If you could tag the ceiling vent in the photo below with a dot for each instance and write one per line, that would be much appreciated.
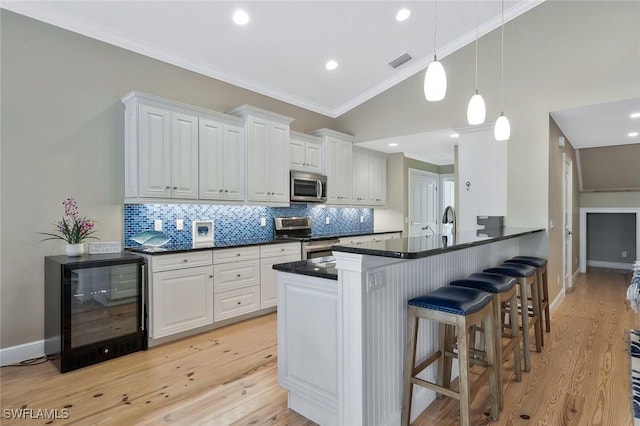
(400, 60)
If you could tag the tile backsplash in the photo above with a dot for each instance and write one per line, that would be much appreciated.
(238, 223)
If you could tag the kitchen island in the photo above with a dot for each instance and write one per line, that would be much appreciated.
(341, 341)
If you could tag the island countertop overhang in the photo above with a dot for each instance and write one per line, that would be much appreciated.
(423, 246)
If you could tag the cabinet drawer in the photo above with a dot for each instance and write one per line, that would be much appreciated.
(168, 262)
(235, 254)
(236, 302)
(276, 250)
(232, 275)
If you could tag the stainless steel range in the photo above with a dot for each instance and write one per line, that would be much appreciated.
(299, 229)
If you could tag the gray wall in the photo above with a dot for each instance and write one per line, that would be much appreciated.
(63, 135)
(608, 234)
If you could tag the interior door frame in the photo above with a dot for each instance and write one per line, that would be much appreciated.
(583, 228)
(567, 221)
(432, 175)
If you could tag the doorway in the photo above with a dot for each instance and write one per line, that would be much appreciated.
(567, 219)
(423, 203)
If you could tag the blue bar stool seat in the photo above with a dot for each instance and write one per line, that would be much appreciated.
(454, 308)
(540, 264)
(527, 284)
(503, 290)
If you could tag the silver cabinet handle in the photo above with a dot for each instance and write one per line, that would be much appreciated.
(143, 285)
(175, 187)
(185, 260)
(222, 190)
(167, 187)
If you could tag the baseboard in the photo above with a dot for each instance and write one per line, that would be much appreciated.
(611, 265)
(556, 302)
(14, 354)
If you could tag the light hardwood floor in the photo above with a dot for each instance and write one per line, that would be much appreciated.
(229, 376)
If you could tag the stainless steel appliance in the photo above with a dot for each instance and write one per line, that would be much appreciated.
(308, 187)
(299, 229)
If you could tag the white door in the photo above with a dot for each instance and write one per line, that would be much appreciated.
(297, 159)
(155, 152)
(344, 156)
(211, 169)
(447, 197)
(423, 203)
(313, 157)
(184, 156)
(567, 219)
(233, 163)
(258, 154)
(278, 166)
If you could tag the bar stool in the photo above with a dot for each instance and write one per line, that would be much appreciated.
(526, 276)
(451, 307)
(540, 264)
(503, 290)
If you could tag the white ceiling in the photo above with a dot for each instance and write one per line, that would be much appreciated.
(606, 124)
(434, 147)
(281, 52)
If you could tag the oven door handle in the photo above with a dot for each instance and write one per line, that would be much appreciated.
(318, 189)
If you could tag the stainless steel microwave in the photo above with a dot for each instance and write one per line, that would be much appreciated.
(308, 187)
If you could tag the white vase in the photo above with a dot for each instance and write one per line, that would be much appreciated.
(74, 249)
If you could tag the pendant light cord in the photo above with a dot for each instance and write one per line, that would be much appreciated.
(476, 47)
(435, 28)
(502, 61)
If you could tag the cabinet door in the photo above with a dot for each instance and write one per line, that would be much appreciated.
(184, 156)
(259, 154)
(278, 167)
(269, 279)
(377, 180)
(228, 276)
(233, 163)
(181, 300)
(297, 154)
(343, 170)
(212, 162)
(360, 180)
(313, 157)
(331, 170)
(155, 152)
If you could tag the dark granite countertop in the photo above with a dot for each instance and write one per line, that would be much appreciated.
(417, 247)
(320, 267)
(181, 248)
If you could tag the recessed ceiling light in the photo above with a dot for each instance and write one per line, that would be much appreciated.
(403, 14)
(455, 135)
(331, 65)
(393, 144)
(632, 134)
(240, 17)
(635, 115)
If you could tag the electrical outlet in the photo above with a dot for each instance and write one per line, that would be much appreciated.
(361, 219)
(375, 280)
(624, 253)
(263, 221)
(157, 225)
(327, 221)
(179, 224)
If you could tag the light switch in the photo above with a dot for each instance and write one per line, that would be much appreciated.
(263, 221)
(327, 220)
(179, 224)
(157, 225)
(361, 219)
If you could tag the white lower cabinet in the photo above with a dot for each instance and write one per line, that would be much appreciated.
(182, 300)
(232, 303)
(236, 280)
(269, 256)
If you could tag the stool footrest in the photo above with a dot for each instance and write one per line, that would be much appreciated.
(427, 362)
(436, 387)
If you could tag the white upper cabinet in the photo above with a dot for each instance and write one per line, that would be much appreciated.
(267, 136)
(172, 148)
(369, 178)
(305, 152)
(338, 149)
(222, 165)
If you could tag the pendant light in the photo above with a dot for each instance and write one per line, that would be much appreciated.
(476, 111)
(435, 79)
(502, 130)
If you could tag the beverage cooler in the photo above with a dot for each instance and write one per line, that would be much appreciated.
(94, 308)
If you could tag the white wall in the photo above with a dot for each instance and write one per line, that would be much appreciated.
(482, 161)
